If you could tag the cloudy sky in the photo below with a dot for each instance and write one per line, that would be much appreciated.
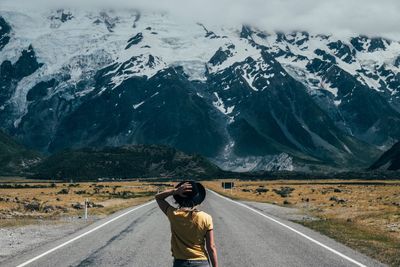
(371, 17)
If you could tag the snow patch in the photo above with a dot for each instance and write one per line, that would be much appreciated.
(219, 104)
(136, 106)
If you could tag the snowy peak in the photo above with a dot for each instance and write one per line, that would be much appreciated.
(134, 40)
(222, 55)
(59, 17)
(260, 98)
(342, 51)
(142, 65)
(363, 44)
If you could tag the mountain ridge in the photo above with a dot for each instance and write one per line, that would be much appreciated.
(390, 160)
(242, 96)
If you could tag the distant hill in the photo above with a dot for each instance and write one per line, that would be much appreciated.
(133, 161)
(15, 159)
(390, 160)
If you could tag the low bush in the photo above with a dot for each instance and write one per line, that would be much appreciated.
(284, 191)
(63, 191)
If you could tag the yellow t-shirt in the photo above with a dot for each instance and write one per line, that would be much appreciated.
(189, 230)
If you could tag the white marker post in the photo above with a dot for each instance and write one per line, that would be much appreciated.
(86, 208)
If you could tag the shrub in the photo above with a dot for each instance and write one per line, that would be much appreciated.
(78, 206)
(124, 194)
(338, 200)
(262, 190)
(63, 191)
(32, 206)
(48, 208)
(284, 191)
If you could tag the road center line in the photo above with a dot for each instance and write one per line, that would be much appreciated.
(292, 229)
(84, 234)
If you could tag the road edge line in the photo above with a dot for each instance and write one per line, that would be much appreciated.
(84, 234)
(292, 229)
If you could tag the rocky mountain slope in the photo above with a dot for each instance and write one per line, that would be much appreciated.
(247, 98)
(390, 160)
(14, 158)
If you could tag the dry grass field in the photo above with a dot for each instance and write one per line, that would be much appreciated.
(25, 202)
(364, 215)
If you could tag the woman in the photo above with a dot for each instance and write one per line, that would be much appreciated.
(191, 229)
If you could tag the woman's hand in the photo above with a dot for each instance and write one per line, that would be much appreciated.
(184, 188)
(181, 190)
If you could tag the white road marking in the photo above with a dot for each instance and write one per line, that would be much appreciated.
(84, 234)
(293, 230)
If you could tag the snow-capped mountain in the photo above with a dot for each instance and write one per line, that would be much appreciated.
(247, 98)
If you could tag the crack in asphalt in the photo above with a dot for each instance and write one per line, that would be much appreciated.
(90, 260)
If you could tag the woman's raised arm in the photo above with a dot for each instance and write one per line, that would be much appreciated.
(160, 197)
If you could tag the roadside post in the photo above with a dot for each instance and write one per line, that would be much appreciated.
(228, 185)
(86, 208)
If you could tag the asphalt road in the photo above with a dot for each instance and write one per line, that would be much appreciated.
(245, 236)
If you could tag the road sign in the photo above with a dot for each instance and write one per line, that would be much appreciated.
(227, 185)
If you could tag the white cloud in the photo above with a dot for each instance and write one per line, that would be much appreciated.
(369, 17)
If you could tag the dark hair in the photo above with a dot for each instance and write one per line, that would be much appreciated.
(186, 203)
(193, 198)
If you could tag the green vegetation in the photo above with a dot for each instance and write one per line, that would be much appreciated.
(135, 161)
(25, 186)
(141, 161)
(377, 245)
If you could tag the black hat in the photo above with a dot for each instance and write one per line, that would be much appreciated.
(193, 198)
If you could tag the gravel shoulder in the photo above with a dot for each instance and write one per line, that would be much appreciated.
(21, 239)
